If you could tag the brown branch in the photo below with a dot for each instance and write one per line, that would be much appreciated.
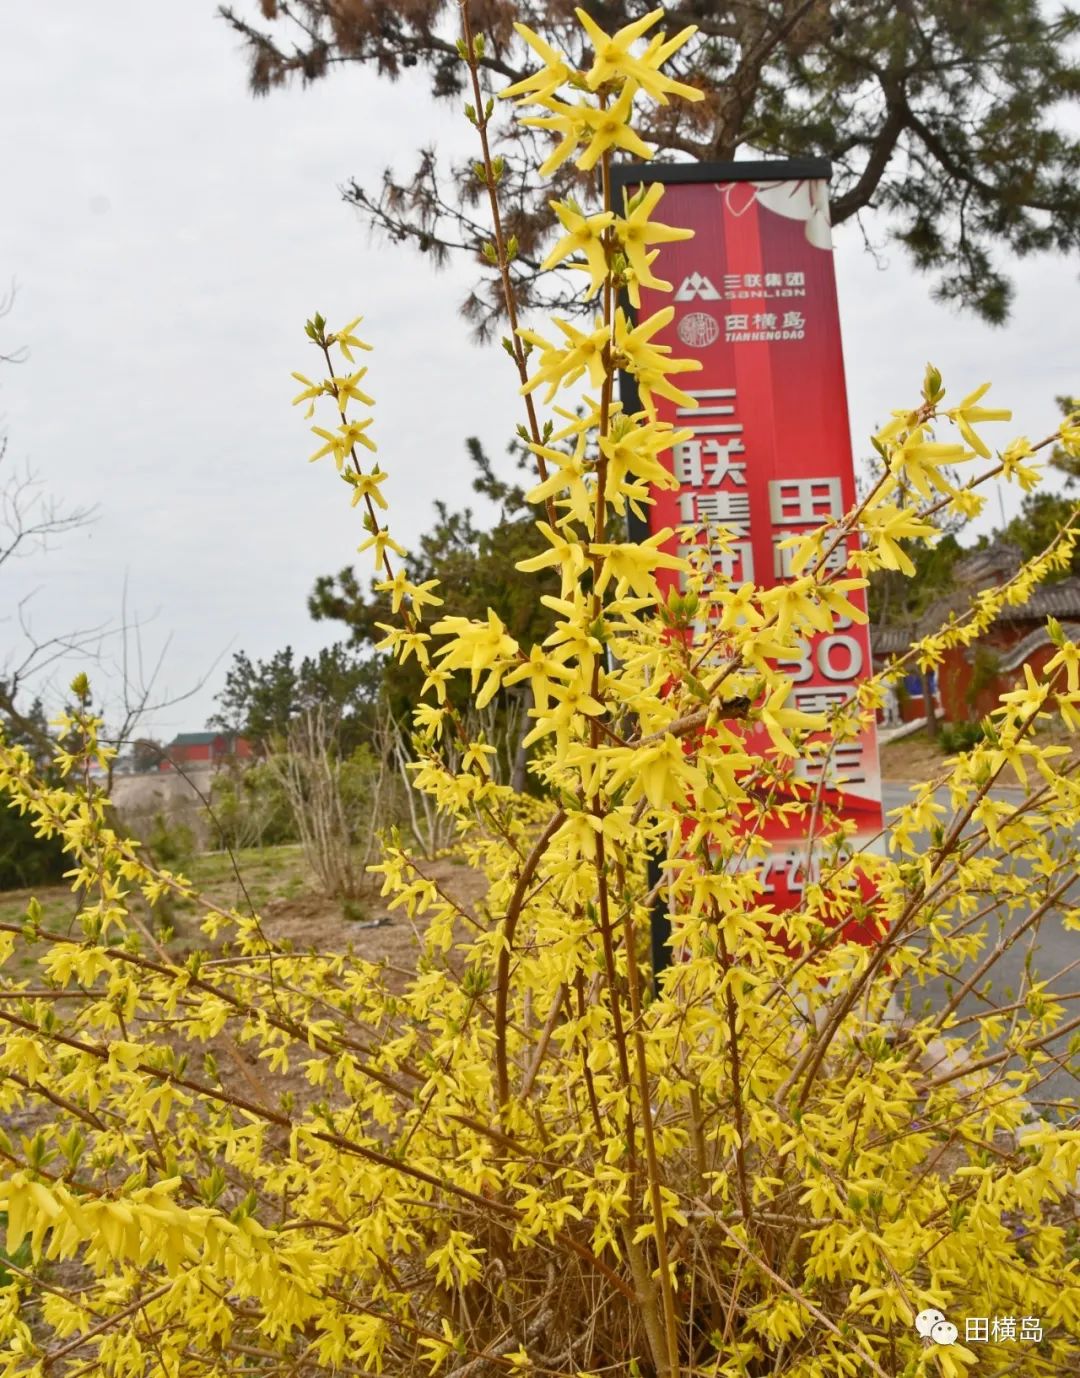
(509, 928)
(802, 1300)
(481, 121)
(106, 1323)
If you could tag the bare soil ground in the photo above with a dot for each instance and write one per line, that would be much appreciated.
(309, 920)
(911, 758)
(918, 757)
(276, 883)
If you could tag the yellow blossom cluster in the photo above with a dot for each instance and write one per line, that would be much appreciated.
(526, 1155)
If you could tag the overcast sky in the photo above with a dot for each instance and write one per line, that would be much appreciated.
(169, 234)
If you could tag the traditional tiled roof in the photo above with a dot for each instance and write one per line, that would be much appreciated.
(887, 641)
(1048, 600)
(983, 569)
(1019, 651)
(196, 738)
(989, 565)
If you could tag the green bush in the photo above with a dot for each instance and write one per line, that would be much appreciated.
(250, 808)
(960, 736)
(26, 859)
(986, 667)
(173, 844)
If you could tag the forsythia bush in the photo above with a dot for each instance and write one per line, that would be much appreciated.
(526, 1159)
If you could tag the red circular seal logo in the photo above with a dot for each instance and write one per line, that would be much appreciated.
(698, 330)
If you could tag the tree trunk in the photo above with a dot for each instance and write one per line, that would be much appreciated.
(929, 705)
(518, 775)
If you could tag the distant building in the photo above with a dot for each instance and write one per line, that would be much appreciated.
(973, 678)
(205, 748)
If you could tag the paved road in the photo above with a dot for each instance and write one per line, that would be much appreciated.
(1052, 948)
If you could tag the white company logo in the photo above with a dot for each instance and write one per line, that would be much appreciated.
(697, 285)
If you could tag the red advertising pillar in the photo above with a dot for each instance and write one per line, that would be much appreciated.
(755, 302)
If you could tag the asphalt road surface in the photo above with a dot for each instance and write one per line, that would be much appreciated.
(1053, 950)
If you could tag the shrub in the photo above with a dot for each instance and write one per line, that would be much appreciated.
(332, 800)
(960, 736)
(249, 808)
(985, 669)
(26, 858)
(172, 842)
(525, 1158)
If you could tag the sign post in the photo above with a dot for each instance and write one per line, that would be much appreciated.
(770, 456)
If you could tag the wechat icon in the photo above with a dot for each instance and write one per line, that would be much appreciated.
(932, 1325)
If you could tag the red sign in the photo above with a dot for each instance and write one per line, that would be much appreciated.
(770, 457)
